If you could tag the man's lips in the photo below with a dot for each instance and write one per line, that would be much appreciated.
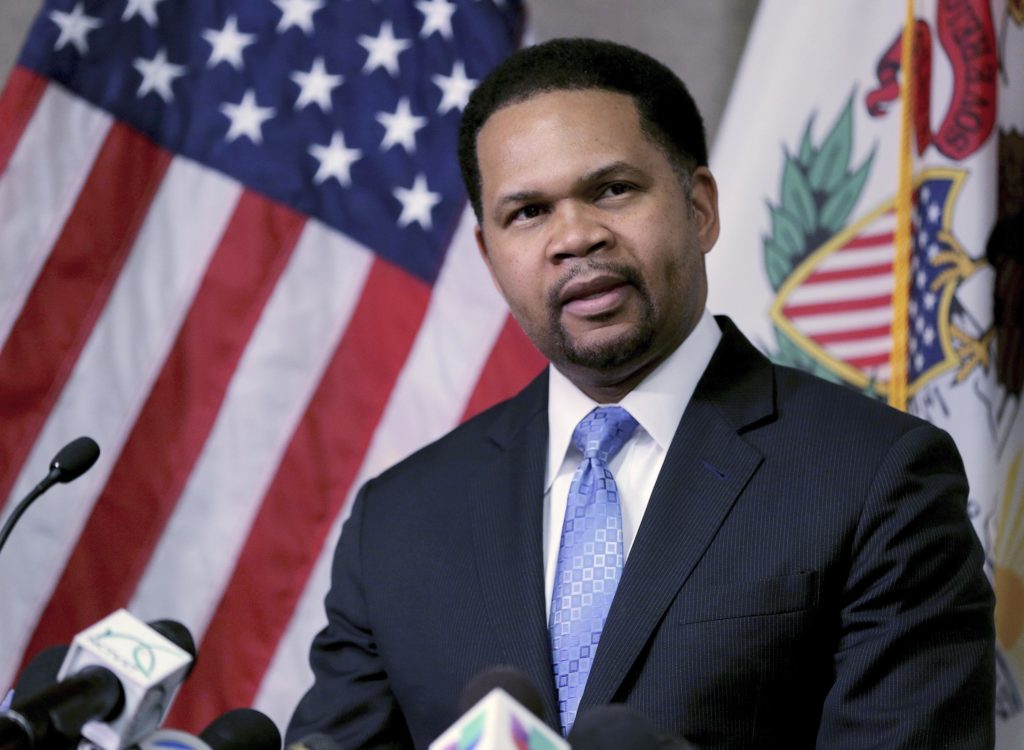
(593, 295)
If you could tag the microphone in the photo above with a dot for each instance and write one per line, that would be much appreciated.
(239, 729)
(618, 727)
(55, 717)
(612, 727)
(498, 721)
(151, 662)
(115, 686)
(41, 672)
(180, 636)
(672, 742)
(511, 680)
(170, 739)
(242, 729)
(314, 742)
(71, 461)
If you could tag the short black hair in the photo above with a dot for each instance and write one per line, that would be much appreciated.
(668, 114)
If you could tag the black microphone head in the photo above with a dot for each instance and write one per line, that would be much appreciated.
(242, 729)
(41, 671)
(672, 742)
(58, 712)
(612, 727)
(314, 742)
(75, 458)
(176, 633)
(509, 679)
(179, 635)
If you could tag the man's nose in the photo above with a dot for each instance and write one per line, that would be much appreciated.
(576, 231)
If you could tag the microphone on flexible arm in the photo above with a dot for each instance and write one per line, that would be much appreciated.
(71, 461)
(239, 729)
(113, 688)
(498, 721)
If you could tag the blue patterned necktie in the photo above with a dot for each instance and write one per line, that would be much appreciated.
(590, 557)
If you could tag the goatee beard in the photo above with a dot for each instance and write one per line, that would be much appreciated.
(610, 354)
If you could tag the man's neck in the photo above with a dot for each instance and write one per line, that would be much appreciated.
(610, 386)
(607, 387)
(615, 390)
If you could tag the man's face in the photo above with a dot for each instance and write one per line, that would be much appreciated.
(589, 234)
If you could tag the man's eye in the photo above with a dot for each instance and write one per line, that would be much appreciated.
(617, 188)
(531, 211)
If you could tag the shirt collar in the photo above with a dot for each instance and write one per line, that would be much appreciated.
(657, 403)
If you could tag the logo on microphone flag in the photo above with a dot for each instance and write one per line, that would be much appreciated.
(235, 249)
(140, 650)
(529, 738)
(150, 668)
(867, 265)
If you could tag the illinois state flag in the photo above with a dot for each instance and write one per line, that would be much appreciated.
(235, 250)
(862, 170)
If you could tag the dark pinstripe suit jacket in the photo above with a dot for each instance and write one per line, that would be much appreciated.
(805, 575)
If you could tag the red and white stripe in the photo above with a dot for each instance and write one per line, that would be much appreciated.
(845, 304)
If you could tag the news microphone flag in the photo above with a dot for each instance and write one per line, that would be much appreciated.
(150, 667)
(235, 250)
(499, 722)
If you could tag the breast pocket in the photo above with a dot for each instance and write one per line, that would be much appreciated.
(766, 596)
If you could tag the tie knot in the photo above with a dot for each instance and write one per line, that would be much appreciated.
(603, 432)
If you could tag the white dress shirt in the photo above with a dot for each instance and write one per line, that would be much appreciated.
(657, 404)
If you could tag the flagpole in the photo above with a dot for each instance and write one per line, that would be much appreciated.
(902, 247)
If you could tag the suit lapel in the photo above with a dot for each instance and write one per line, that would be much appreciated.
(706, 468)
(507, 527)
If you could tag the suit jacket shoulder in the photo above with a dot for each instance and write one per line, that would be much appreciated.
(492, 430)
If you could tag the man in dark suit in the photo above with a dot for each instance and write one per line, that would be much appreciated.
(780, 562)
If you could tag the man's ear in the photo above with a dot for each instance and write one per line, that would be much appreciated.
(481, 245)
(704, 198)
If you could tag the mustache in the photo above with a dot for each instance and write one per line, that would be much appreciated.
(588, 267)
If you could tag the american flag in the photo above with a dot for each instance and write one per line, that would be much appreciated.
(840, 299)
(235, 250)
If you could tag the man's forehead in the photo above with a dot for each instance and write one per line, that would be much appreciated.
(560, 97)
(581, 120)
(570, 133)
